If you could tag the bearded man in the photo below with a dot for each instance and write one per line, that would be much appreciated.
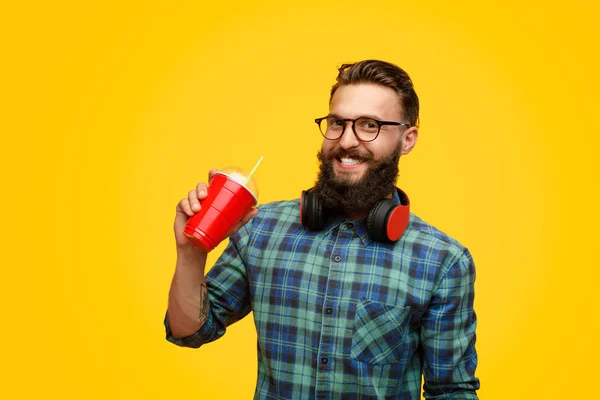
(353, 296)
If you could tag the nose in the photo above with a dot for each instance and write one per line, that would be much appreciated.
(349, 139)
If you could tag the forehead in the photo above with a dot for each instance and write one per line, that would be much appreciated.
(351, 101)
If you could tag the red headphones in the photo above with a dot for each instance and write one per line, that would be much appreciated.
(386, 221)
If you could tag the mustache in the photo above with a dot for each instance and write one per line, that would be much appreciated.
(339, 153)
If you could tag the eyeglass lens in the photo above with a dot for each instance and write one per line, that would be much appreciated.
(366, 128)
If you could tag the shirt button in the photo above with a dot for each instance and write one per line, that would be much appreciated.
(324, 359)
(337, 258)
(328, 310)
(350, 225)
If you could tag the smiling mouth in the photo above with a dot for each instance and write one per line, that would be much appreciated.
(348, 161)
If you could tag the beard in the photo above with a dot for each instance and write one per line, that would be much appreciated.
(343, 193)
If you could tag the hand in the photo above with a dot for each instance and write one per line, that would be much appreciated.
(189, 206)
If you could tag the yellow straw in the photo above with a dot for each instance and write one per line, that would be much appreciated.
(253, 169)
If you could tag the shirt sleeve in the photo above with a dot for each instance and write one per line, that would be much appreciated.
(448, 334)
(228, 294)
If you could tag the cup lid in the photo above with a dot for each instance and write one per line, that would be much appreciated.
(240, 176)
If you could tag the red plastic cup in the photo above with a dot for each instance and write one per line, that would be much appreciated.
(226, 203)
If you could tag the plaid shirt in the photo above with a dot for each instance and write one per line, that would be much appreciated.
(339, 315)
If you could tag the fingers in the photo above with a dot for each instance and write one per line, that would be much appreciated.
(243, 221)
(191, 205)
(248, 216)
(193, 200)
(184, 207)
(201, 191)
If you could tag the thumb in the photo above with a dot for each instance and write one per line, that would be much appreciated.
(211, 173)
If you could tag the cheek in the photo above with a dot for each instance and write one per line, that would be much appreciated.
(374, 150)
(327, 146)
(383, 149)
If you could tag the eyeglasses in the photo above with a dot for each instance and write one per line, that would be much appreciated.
(365, 129)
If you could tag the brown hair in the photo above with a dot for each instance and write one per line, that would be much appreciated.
(384, 74)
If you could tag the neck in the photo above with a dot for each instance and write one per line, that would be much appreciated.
(355, 215)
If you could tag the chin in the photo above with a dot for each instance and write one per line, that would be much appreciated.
(347, 179)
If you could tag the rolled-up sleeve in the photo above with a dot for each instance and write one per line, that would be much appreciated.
(448, 334)
(228, 294)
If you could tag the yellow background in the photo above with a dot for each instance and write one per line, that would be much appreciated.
(112, 111)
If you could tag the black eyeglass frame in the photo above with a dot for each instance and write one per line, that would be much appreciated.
(345, 120)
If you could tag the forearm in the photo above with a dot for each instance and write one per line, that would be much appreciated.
(448, 335)
(188, 299)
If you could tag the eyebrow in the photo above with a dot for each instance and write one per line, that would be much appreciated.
(360, 116)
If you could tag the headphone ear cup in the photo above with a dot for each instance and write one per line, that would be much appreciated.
(398, 218)
(312, 214)
(303, 207)
(377, 220)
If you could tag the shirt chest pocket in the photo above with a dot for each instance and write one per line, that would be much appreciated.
(380, 333)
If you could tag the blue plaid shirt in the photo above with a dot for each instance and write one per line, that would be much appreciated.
(339, 315)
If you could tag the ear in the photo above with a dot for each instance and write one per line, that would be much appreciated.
(409, 139)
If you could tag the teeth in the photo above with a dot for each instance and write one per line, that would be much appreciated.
(349, 161)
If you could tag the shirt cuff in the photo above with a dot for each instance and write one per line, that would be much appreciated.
(195, 340)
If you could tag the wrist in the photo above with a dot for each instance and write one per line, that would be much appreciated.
(189, 253)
